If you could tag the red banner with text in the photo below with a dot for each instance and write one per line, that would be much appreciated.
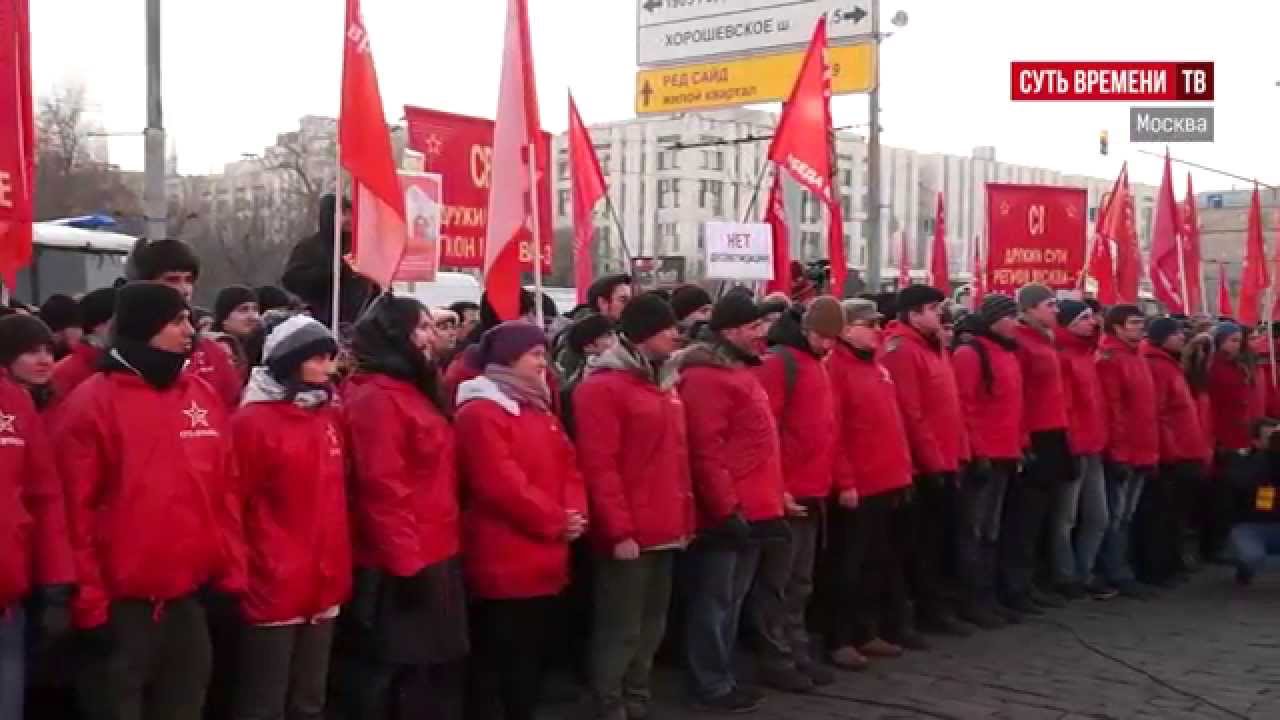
(460, 149)
(1037, 234)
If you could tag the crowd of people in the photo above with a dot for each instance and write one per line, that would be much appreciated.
(237, 514)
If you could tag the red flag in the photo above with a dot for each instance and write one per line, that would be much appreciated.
(1118, 227)
(1167, 280)
(1100, 265)
(1224, 294)
(17, 141)
(588, 189)
(775, 214)
(515, 148)
(1253, 274)
(802, 145)
(1191, 250)
(939, 272)
(904, 261)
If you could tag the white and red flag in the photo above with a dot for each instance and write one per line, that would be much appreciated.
(17, 141)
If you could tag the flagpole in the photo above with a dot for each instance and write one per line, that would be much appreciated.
(1182, 273)
(617, 222)
(537, 239)
(755, 193)
(335, 301)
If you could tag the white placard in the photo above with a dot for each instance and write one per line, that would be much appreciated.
(739, 251)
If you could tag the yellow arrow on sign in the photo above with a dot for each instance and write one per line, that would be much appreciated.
(761, 79)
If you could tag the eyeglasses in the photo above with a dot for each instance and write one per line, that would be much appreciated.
(446, 325)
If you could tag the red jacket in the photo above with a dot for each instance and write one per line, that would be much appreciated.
(1235, 400)
(404, 481)
(1181, 437)
(928, 398)
(992, 417)
(151, 484)
(521, 477)
(805, 419)
(33, 520)
(1133, 436)
(292, 480)
(1044, 402)
(734, 449)
(635, 458)
(212, 362)
(1204, 411)
(74, 369)
(873, 456)
(1086, 407)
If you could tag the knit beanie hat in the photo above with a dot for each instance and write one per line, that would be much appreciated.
(1032, 294)
(293, 342)
(995, 308)
(586, 331)
(144, 308)
(97, 307)
(156, 258)
(229, 298)
(825, 317)
(20, 334)
(504, 344)
(1069, 310)
(913, 297)
(60, 312)
(734, 310)
(1222, 331)
(688, 299)
(1161, 329)
(645, 316)
(271, 297)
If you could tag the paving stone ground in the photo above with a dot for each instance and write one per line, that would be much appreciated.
(1208, 650)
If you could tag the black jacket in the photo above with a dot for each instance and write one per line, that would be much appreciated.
(309, 273)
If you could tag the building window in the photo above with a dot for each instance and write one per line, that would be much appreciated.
(669, 233)
(702, 236)
(605, 155)
(846, 206)
(711, 196)
(668, 158)
(668, 193)
(810, 211)
(811, 245)
(562, 166)
(712, 160)
(562, 202)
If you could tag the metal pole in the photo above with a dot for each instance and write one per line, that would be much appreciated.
(1182, 274)
(154, 204)
(755, 192)
(622, 238)
(335, 303)
(537, 239)
(873, 162)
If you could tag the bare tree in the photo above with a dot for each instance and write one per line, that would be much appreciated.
(69, 180)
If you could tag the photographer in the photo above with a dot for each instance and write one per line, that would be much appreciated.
(1256, 533)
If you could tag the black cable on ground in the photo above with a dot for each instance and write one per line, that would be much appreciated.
(1125, 663)
(886, 705)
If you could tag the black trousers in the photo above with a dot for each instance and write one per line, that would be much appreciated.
(1026, 512)
(1216, 503)
(1160, 522)
(509, 645)
(927, 520)
(866, 593)
(283, 672)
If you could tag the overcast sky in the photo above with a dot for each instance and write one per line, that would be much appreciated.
(236, 72)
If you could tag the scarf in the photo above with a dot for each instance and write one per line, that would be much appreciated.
(519, 388)
(159, 368)
(263, 387)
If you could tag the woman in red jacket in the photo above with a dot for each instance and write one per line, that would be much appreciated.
(408, 615)
(289, 444)
(1237, 404)
(525, 504)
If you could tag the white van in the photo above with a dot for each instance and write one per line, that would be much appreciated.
(448, 288)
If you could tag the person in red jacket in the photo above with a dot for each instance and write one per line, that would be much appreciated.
(151, 482)
(525, 504)
(408, 616)
(1079, 515)
(288, 438)
(1160, 526)
(96, 309)
(918, 362)
(795, 378)
(1133, 442)
(737, 484)
(1236, 405)
(989, 379)
(172, 263)
(635, 461)
(866, 597)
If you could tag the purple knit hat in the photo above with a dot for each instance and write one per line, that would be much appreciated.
(504, 344)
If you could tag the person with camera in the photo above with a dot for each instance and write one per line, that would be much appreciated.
(1256, 533)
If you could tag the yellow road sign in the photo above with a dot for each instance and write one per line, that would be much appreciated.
(761, 79)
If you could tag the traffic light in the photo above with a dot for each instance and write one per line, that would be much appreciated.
(1102, 142)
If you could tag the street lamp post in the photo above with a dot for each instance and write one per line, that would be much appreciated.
(873, 235)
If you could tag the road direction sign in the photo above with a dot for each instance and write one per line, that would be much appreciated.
(670, 32)
(759, 79)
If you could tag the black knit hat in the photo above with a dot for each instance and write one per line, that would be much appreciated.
(20, 334)
(60, 312)
(271, 297)
(587, 330)
(97, 307)
(1162, 329)
(293, 342)
(995, 308)
(914, 297)
(734, 310)
(645, 316)
(156, 258)
(1069, 310)
(688, 299)
(144, 308)
(229, 298)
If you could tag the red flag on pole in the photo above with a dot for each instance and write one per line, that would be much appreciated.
(802, 145)
(939, 272)
(1253, 274)
(1100, 265)
(979, 275)
(588, 189)
(1224, 294)
(1118, 227)
(516, 160)
(1191, 251)
(17, 141)
(904, 261)
(775, 214)
(1168, 281)
(380, 232)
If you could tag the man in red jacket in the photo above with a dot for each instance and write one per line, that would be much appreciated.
(1133, 443)
(96, 309)
(990, 383)
(738, 489)
(172, 263)
(795, 378)
(635, 461)
(918, 361)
